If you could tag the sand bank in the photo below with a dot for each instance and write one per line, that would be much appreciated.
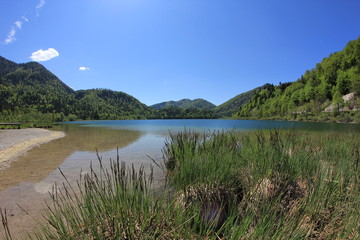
(16, 142)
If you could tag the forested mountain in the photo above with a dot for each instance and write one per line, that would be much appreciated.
(185, 113)
(329, 91)
(29, 92)
(230, 107)
(185, 104)
(108, 104)
(308, 97)
(30, 89)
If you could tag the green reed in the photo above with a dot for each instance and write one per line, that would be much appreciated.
(275, 184)
(114, 202)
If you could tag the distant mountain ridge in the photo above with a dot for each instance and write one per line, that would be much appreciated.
(185, 103)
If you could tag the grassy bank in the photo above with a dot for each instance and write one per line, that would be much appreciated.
(220, 185)
(29, 119)
(338, 117)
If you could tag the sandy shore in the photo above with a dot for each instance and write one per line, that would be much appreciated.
(16, 142)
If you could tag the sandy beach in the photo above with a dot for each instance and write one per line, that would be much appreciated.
(16, 142)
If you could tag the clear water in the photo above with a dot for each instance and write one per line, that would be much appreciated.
(134, 139)
(153, 126)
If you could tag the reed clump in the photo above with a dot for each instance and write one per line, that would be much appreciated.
(114, 202)
(273, 184)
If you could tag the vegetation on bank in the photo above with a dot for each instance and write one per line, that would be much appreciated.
(313, 93)
(221, 185)
(336, 117)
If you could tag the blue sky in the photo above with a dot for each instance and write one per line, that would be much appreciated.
(160, 50)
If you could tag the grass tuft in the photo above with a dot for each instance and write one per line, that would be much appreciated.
(270, 184)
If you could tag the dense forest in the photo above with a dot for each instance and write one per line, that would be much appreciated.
(107, 104)
(29, 92)
(185, 113)
(327, 92)
(185, 103)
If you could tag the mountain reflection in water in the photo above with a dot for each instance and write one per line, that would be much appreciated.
(39, 162)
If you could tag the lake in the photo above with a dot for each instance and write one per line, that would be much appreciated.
(30, 178)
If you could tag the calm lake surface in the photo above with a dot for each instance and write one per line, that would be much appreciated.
(30, 178)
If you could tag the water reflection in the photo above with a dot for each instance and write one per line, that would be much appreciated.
(134, 154)
(38, 163)
(83, 138)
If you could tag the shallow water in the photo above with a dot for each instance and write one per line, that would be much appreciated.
(30, 178)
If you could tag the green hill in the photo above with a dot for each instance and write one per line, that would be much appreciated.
(230, 107)
(185, 104)
(31, 87)
(108, 104)
(322, 93)
(30, 92)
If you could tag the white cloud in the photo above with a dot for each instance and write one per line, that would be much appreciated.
(84, 68)
(39, 6)
(44, 55)
(11, 36)
(18, 24)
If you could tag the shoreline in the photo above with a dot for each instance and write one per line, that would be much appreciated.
(16, 142)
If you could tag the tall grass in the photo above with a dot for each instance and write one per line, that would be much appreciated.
(271, 184)
(111, 203)
(221, 185)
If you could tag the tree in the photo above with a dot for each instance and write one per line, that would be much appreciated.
(337, 99)
(343, 83)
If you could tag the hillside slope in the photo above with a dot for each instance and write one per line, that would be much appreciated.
(309, 96)
(30, 86)
(233, 105)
